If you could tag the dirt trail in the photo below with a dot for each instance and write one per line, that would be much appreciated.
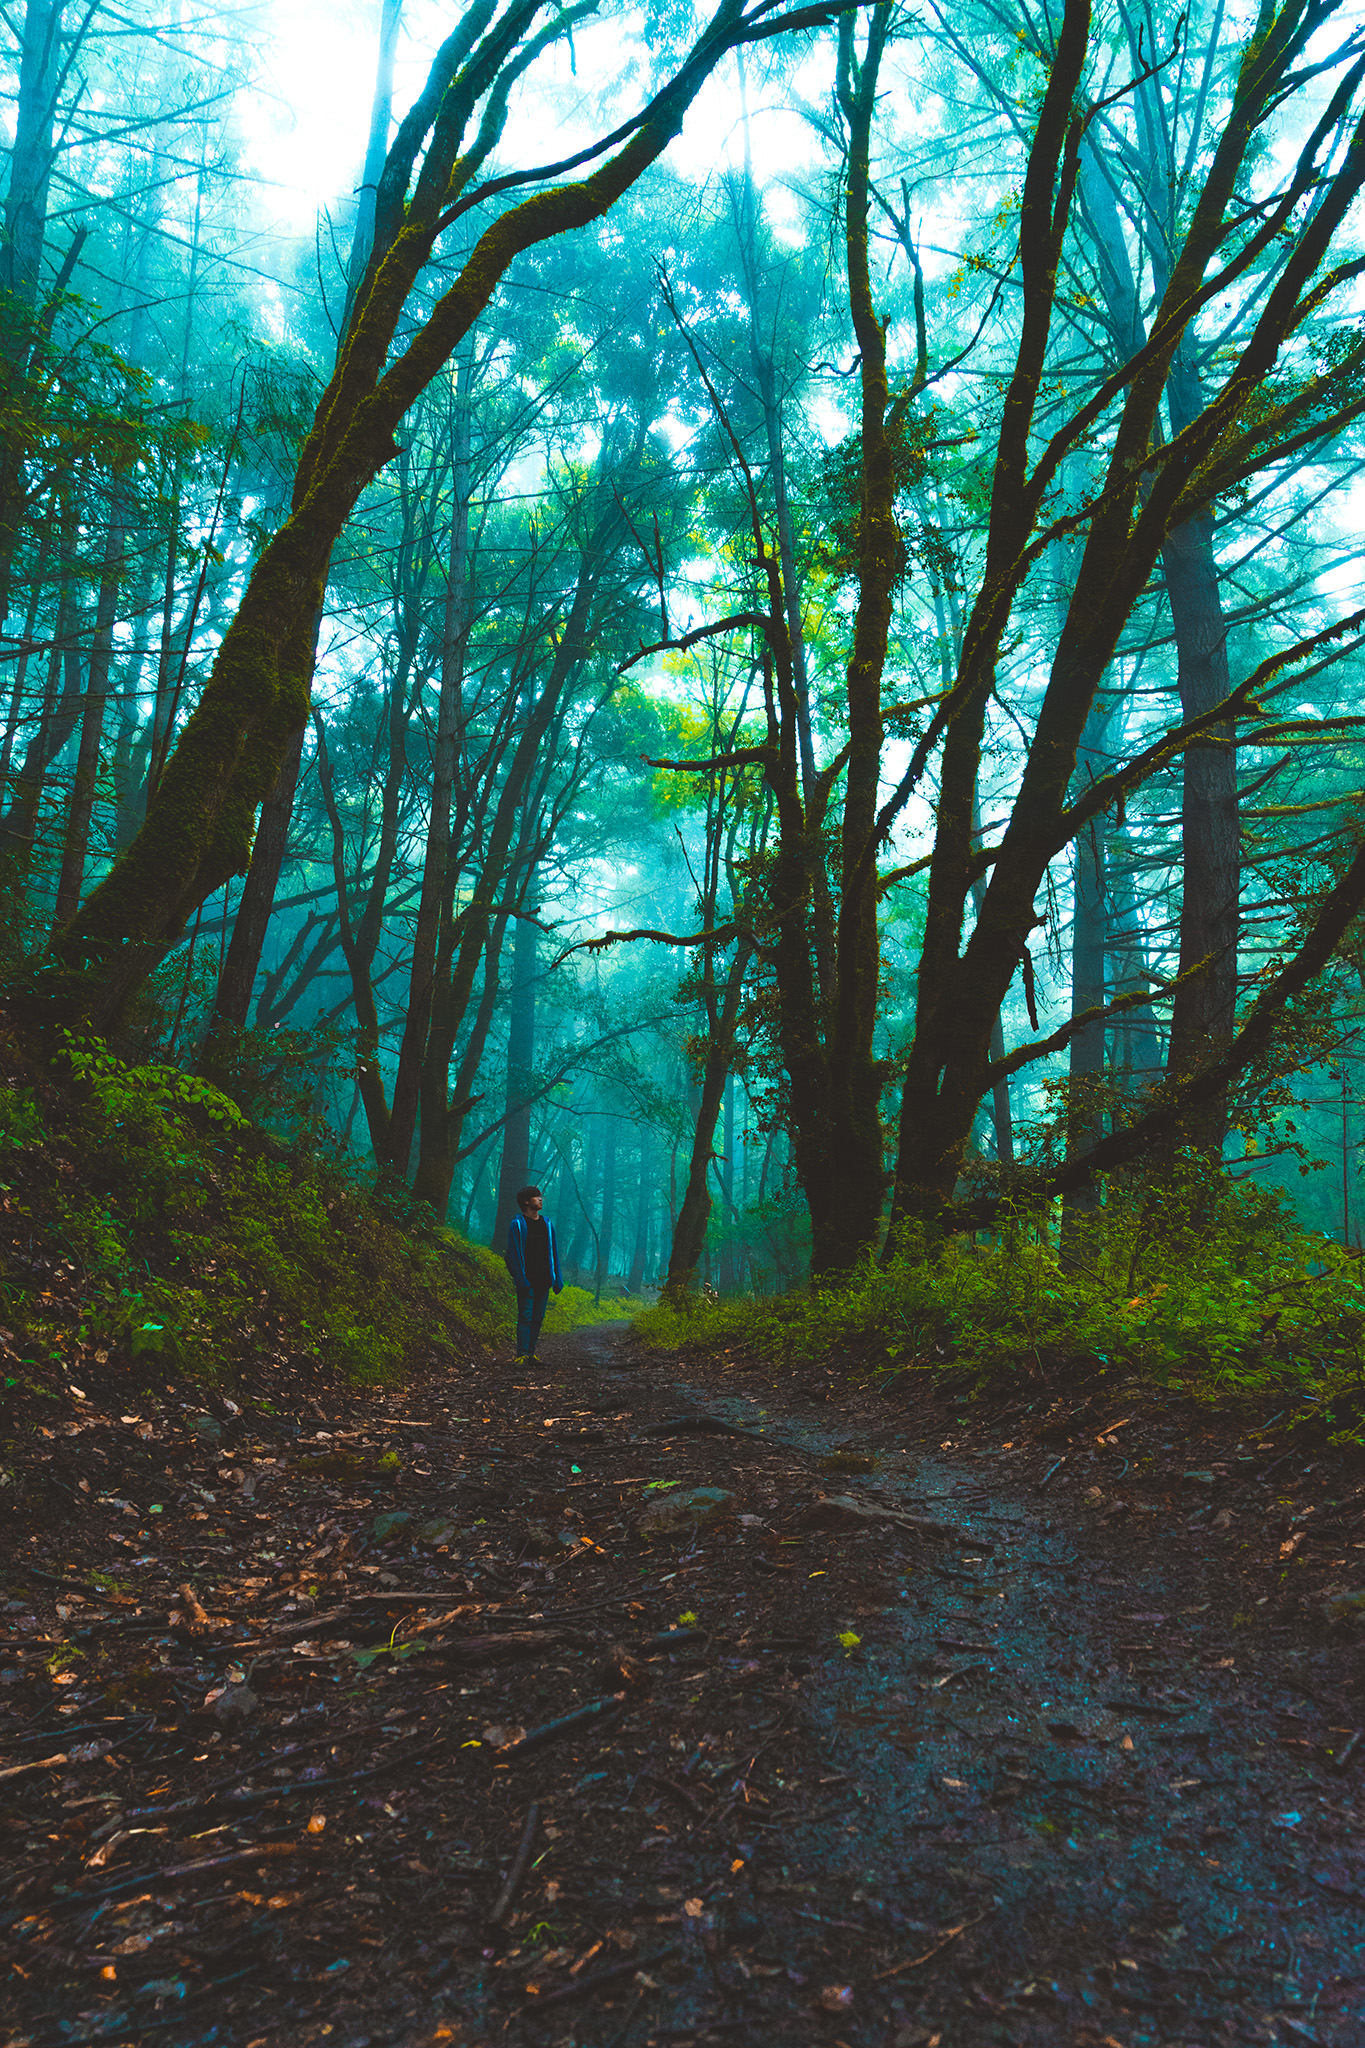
(938, 1758)
(1076, 1746)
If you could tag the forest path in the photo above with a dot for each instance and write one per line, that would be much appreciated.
(1086, 1772)
(890, 1739)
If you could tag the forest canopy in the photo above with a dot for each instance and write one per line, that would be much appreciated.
(758, 621)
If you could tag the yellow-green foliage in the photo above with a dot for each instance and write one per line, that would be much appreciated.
(1214, 1290)
(172, 1231)
(575, 1308)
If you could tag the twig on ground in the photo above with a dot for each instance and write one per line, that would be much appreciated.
(520, 1864)
(167, 1874)
(586, 1986)
(666, 1784)
(950, 1934)
(567, 1724)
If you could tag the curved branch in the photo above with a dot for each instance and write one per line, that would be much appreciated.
(718, 935)
(754, 620)
(743, 757)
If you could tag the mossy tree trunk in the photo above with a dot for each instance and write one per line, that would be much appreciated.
(199, 824)
(854, 1171)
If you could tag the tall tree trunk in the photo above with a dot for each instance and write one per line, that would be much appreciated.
(26, 652)
(60, 708)
(92, 721)
(689, 1232)
(640, 1253)
(360, 940)
(1136, 1031)
(854, 1169)
(765, 376)
(376, 150)
(232, 1001)
(585, 1237)
(464, 936)
(444, 1111)
(1204, 1007)
(444, 753)
(521, 1051)
(607, 1228)
(566, 1203)
(1089, 934)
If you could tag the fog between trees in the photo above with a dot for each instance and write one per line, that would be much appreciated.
(781, 686)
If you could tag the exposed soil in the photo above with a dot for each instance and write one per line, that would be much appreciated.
(1033, 1727)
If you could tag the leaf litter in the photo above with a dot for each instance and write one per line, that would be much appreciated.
(339, 1744)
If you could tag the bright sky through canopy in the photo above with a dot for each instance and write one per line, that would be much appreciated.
(309, 122)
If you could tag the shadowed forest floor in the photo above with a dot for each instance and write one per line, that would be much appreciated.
(1035, 1727)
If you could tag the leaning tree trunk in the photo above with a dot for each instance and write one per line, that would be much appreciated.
(232, 1002)
(199, 825)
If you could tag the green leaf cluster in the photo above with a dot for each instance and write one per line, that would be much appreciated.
(163, 1229)
(1217, 1293)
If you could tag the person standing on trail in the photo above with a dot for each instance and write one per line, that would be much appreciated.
(532, 1259)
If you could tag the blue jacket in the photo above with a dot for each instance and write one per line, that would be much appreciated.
(514, 1258)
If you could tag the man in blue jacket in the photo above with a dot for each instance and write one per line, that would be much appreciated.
(532, 1259)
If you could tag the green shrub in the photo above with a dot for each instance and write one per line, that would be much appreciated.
(1211, 1287)
(576, 1307)
(175, 1234)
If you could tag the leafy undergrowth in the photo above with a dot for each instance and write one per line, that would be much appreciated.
(1212, 1291)
(578, 1309)
(153, 1235)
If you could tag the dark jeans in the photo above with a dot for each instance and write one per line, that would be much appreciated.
(531, 1303)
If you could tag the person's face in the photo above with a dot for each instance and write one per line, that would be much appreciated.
(532, 1207)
